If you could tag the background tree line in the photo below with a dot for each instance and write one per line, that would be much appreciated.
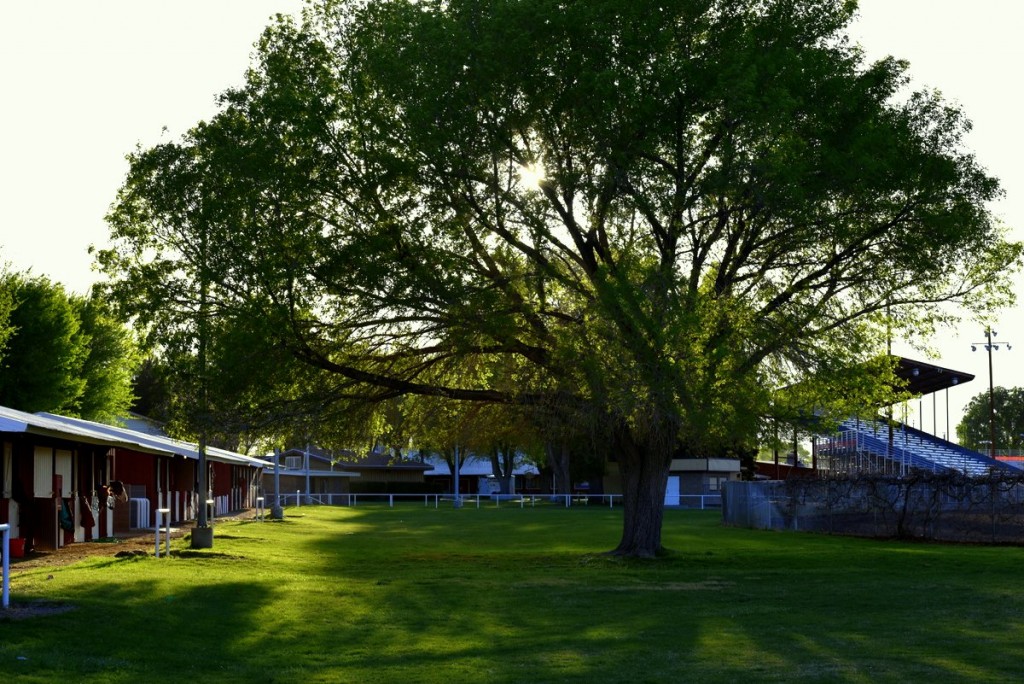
(61, 352)
(974, 431)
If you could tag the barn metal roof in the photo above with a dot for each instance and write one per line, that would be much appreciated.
(90, 432)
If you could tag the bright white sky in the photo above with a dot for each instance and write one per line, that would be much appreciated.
(84, 81)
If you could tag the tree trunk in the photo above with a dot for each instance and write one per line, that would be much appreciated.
(508, 459)
(558, 459)
(501, 468)
(644, 473)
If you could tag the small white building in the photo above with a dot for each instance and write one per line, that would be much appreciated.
(477, 476)
(696, 482)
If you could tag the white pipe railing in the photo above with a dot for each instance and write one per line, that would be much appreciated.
(5, 579)
(163, 523)
(700, 501)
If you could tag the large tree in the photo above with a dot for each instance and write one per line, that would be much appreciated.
(665, 210)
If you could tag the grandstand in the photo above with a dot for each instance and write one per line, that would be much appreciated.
(881, 445)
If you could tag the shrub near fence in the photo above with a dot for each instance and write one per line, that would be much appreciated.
(937, 506)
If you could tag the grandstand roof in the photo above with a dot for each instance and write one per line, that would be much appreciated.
(926, 378)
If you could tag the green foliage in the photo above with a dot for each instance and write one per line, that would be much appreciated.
(733, 201)
(6, 307)
(152, 389)
(44, 357)
(65, 354)
(974, 430)
(111, 361)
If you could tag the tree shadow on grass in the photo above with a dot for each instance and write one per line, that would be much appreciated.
(153, 633)
(472, 600)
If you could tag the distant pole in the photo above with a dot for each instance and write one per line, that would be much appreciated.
(775, 450)
(888, 354)
(308, 500)
(202, 535)
(276, 512)
(991, 398)
(991, 346)
(458, 494)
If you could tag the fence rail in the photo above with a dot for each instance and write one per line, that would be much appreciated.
(299, 498)
(701, 501)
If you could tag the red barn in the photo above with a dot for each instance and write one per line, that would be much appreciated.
(65, 480)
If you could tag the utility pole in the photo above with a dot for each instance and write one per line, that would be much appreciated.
(202, 535)
(276, 511)
(990, 347)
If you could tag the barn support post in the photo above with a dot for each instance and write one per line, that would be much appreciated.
(5, 549)
(202, 534)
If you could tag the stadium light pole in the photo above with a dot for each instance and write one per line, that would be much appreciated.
(990, 347)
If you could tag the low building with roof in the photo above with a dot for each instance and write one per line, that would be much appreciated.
(476, 476)
(66, 480)
(311, 473)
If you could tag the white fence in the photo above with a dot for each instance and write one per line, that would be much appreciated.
(701, 501)
(298, 499)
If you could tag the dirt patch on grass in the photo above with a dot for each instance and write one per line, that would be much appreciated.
(121, 546)
(32, 609)
(188, 553)
(134, 543)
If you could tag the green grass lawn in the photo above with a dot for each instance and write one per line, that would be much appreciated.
(414, 594)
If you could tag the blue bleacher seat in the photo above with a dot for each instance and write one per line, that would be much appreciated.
(912, 448)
